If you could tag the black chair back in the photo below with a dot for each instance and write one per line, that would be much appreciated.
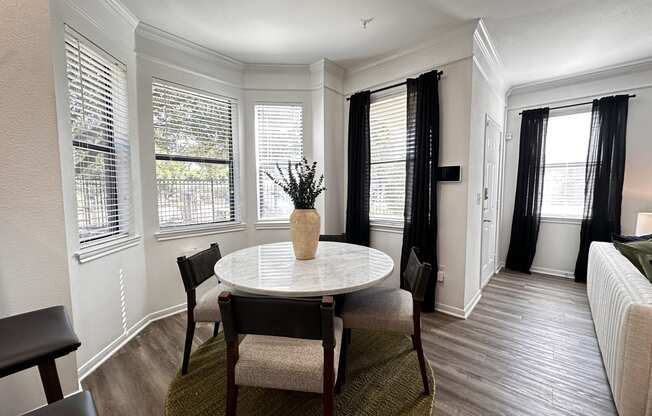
(338, 238)
(197, 268)
(416, 275)
(282, 317)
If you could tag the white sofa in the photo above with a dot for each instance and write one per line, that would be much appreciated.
(621, 304)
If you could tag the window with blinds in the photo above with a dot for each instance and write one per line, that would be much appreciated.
(97, 91)
(193, 139)
(388, 119)
(564, 181)
(279, 139)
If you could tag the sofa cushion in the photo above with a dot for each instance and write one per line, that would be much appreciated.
(637, 252)
(285, 363)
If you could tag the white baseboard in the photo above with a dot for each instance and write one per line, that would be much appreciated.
(553, 272)
(459, 312)
(450, 310)
(468, 308)
(89, 366)
(545, 270)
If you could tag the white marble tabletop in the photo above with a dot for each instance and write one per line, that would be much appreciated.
(271, 269)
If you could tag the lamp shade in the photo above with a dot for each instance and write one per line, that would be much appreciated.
(644, 223)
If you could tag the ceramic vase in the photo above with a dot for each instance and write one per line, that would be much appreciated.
(304, 229)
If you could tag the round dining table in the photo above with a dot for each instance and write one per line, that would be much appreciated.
(272, 270)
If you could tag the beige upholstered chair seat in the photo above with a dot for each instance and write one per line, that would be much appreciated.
(285, 363)
(384, 309)
(207, 309)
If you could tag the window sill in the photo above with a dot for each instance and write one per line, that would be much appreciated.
(394, 227)
(174, 233)
(86, 254)
(561, 220)
(272, 225)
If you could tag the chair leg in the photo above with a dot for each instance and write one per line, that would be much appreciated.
(328, 402)
(50, 380)
(422, 362)
(341, 373)
(216, 328)
(416, 343)
(231, 399)
(190, 334)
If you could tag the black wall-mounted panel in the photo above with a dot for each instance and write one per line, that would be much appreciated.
(449, 173)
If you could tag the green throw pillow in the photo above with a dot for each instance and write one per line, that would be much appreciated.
(639, 253)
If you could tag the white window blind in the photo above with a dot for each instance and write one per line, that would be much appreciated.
(193, 138)
(388, 119)
(567, 141)
(279, 139)
(97, 91)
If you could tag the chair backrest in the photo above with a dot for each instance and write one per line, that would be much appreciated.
(338, 238)
(197, 268)
(294, 318)
(416, 275)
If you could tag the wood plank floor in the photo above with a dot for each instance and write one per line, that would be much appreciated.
(528, 348)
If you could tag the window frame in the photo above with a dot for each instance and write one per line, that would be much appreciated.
(274, 223)
(393, 225)
(557, 219)
(169, 232)
(117, 237)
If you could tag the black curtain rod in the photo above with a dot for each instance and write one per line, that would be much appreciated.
(439, 74)
(575, 105)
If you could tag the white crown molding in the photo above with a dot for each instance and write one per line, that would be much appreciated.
(333, 68)
(274, 68)
(84, 14)
(467, 28)
(486, 44)
(123, 11)
(581, 77)
(165, 62)
(489, 63)
(158, 35)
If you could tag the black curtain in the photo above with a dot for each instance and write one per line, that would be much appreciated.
(605, 170)
(420, 227)
(529, 190)
(357, 205)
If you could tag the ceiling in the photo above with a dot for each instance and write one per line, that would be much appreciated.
(535, 39)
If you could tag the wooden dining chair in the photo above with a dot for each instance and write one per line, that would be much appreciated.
(393, 309)
(290, 344)
(195, 270)
(338, 238)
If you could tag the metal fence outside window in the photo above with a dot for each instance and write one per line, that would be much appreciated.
(193, 201)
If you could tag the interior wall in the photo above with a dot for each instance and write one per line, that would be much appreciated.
(487, 100)
(453, 55)
(559, 240)
(34, 272)
(155, 61)
(109, 294)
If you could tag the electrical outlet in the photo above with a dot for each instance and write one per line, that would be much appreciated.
(440, 276)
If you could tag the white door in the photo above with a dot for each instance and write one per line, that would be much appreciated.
(492, 136)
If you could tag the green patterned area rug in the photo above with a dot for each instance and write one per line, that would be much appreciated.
(382, 378)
